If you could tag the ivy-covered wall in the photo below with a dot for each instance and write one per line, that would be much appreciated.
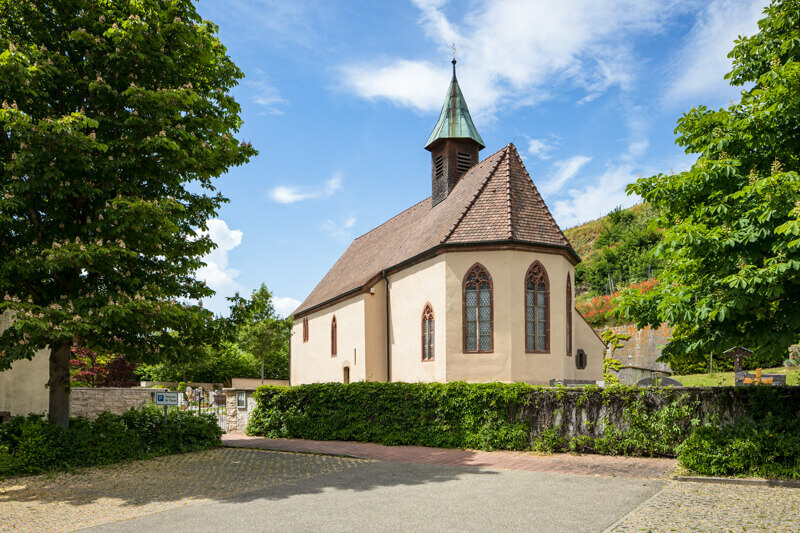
(513, 416)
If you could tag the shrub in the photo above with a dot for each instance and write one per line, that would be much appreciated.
(767, 448)
(617, 420)
(30, 445)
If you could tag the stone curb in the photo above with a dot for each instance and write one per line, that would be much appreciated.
(739, 481)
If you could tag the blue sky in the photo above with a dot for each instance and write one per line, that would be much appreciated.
(340, 97)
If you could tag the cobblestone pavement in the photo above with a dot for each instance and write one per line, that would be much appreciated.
(558, 463)
(92, 496)
(683, 506)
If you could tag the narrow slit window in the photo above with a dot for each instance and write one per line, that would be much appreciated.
(305, 329)
(427, 333)
(333, 337)
(569, 317)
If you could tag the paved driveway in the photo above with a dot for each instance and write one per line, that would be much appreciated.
(257, 490)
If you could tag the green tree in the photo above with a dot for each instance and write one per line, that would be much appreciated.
(262, 333)
(731, 243)
(217, 364)
(116, 117)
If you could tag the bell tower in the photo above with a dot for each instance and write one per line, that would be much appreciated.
(454, 143)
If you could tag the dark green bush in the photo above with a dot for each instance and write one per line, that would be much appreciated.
(618, 420)
(445, 415)
(768, 448)
(30, 445)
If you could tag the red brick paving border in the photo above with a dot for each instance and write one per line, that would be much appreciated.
(602, 465)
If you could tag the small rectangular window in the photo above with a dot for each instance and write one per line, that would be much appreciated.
(438, 167)
(241, 399)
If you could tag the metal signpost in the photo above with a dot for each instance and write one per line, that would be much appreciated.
(165, 399)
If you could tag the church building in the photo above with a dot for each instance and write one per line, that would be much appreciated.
(474, 283)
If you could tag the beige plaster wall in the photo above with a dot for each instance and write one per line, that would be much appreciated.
(252, 383)
(409, 291)
(587, 340)
(312, 361)
(373, 358)
(22, 387)
(509, 361)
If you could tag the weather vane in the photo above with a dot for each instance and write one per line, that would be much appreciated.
(454, 50)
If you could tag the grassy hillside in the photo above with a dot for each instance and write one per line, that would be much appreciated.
(617, 251)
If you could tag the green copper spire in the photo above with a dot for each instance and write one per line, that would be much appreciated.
(454, 121)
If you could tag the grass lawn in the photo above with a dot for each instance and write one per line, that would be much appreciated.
(725, 379)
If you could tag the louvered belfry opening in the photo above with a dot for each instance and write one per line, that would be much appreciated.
(450, 159)
(454, 143)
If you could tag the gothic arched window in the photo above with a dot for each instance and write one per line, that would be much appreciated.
(427, 333)
(537, 300)
(569, 317)
(477, 310)
(333, 336)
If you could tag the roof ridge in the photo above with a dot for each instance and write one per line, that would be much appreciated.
(508, 195)
(541, 199)
(477, 193)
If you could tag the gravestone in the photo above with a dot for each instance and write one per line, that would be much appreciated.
(658, 382)
(746, 379)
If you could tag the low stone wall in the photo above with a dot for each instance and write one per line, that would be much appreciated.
(238, 417)
(90, 402)
(644, 346)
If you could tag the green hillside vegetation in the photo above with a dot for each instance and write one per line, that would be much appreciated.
(617, 250)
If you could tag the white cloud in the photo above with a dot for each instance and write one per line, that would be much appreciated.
(267, 96)
(596, 199)
(217, 273)
(284, 194)
(540, 148)
(285, 305)
(339, 230)
(512, 50)
(700, 67)
(565, 170)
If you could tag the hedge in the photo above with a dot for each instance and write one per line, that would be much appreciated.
(31, 445)
(618, 420)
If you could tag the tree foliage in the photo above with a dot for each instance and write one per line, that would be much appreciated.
(261, 332)
(116, 117)
(731, 242)
(623, 251)
(216, 364)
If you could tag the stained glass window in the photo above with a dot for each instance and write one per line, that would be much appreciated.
(477, 310)
(536, 309)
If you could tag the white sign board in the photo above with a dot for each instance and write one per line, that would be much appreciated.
(167, 398)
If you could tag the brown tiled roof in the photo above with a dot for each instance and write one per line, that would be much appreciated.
(494, 201)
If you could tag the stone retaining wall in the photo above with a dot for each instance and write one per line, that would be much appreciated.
(90, 402)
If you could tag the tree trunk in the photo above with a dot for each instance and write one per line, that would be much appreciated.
(59, 383)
